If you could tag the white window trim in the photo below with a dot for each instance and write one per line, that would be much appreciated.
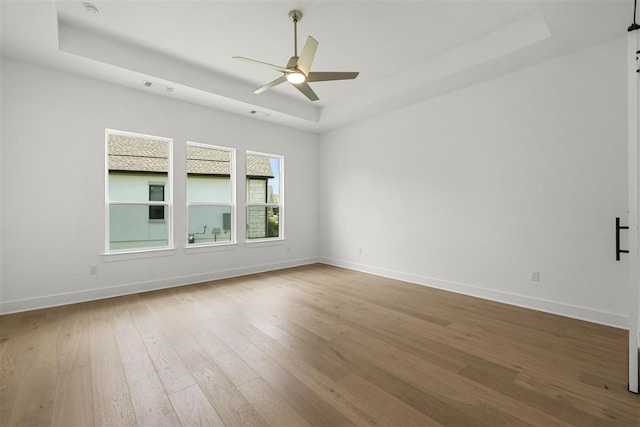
(194, 247)
(138, 252)
(280, 206)
(206, 248)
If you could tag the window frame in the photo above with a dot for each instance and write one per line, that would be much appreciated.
(279, 205)
(231, 204)
(167, 203)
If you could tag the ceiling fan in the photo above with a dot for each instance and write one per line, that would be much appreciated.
(298, 69)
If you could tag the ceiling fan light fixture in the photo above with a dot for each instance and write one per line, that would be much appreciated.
(296, 77)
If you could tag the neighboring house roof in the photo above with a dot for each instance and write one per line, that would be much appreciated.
(208, 161)
(133, 154)
(259, 166)
(137, 154)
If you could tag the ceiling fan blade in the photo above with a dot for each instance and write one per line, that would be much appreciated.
(271, 84)
(326, 76)
(253, 61)
(307, 91)
(306, 56)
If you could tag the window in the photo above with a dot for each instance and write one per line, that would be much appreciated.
(156, 194)
(210, 195)
(264, 196)
(138, 193)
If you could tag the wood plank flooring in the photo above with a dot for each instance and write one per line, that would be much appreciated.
(309, 346)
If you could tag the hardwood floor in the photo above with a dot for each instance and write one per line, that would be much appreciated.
(314, 345)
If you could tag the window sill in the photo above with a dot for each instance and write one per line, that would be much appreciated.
(218, 247)
(139, 254)
(260, 243)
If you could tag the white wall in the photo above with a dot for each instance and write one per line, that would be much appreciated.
(52, 190)
(475, 189)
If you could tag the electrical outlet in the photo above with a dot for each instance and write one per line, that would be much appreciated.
(534, 276)
(359, 251)
(93, 270)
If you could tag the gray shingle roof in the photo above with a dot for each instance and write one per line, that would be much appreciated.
(208, 161)
(137, 154)
(133, 154)
(259, 166)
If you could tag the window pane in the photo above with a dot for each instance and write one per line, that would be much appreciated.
(210, 195)
(209, 172)
(263, 187)
(263, 179)
(262, 222)
(156, 193)
(209, 224)
(156, 212)
(273, 185)
(138, 171)
(130, 228)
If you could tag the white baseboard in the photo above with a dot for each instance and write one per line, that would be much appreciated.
(26, 304)
(567, 310)
(553, 307)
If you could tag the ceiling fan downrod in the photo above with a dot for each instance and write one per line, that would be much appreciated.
(295, 16)
(634, 26)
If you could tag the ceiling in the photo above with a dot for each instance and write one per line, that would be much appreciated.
(405, 51)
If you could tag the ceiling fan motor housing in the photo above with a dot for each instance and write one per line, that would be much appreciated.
(295, 15)
(293, 64)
